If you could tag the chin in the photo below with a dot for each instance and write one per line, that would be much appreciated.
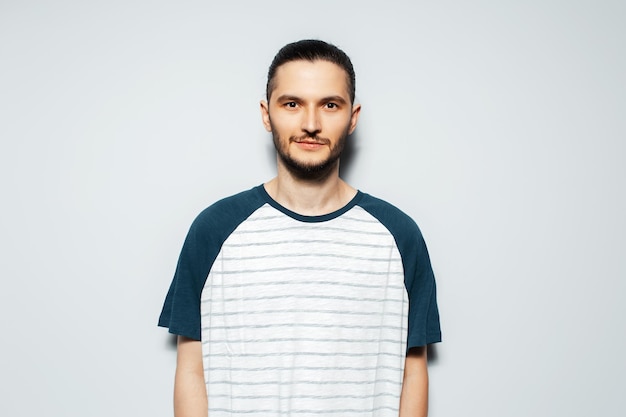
(310, 170)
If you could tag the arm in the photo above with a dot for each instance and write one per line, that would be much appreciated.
(414, 396)
(190, 399)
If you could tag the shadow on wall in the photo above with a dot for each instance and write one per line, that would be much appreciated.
(349, 153)
(171, 342)
(432, 356)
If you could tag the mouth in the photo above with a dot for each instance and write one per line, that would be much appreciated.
(309, 145)
(308, 141)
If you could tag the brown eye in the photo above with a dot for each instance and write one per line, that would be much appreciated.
(291, 104)
(331, 105)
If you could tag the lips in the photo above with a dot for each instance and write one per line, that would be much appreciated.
(310, 141)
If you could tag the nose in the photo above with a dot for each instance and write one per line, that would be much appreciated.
(311, 122)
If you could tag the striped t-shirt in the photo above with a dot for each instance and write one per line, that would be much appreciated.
(303, 315)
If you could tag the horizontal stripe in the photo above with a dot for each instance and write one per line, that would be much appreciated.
(303, 339)
(304, 368)
(305, 397)
(316, 228)
(310, 255)
(309, 382)
(296, 411)
(321, 354)
(293, 310)
(298, 325)
(293, 282)
(307, 242)
(304, 268)
(310, 297)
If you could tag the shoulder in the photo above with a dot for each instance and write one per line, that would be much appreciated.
(230, 211)
(395, 220)
(407, 235)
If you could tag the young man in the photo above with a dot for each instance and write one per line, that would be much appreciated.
(303, 296)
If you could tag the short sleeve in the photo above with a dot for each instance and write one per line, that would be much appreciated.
(423, 323)
(181, 312)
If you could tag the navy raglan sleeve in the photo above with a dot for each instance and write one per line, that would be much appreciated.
(181, 310)
(419, 279)
(424, 326)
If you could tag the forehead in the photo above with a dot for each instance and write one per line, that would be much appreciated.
(311, 78)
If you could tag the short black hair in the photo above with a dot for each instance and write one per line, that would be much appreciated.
(311, 50)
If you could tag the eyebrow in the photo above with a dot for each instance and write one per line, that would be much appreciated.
(335, 98)
(287, 97)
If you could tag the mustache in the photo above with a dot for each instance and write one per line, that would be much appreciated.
(310, 138)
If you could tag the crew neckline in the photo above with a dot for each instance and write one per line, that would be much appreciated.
(309, 219)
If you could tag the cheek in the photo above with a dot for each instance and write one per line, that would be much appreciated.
(282, 133)
(339, 126)
(283, 124)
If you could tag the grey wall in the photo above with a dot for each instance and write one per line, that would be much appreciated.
(499, 126)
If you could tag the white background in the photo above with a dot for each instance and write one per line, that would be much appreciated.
(498, 125)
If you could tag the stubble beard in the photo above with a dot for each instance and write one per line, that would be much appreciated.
(310, 171)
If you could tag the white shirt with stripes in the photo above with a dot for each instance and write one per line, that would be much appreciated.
(303, 315)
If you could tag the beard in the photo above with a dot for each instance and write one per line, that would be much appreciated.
(310, 170)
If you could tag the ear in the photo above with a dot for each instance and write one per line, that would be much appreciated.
(354, 117)
(265, 115)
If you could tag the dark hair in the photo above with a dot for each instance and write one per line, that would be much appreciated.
(311, 50)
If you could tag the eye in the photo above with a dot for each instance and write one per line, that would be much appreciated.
(332, 106)
(291, 104)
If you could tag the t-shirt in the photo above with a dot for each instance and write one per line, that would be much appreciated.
(303, 315)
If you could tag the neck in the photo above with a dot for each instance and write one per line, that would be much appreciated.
(310, 197)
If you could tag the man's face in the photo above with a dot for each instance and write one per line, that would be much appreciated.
(310, 115)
